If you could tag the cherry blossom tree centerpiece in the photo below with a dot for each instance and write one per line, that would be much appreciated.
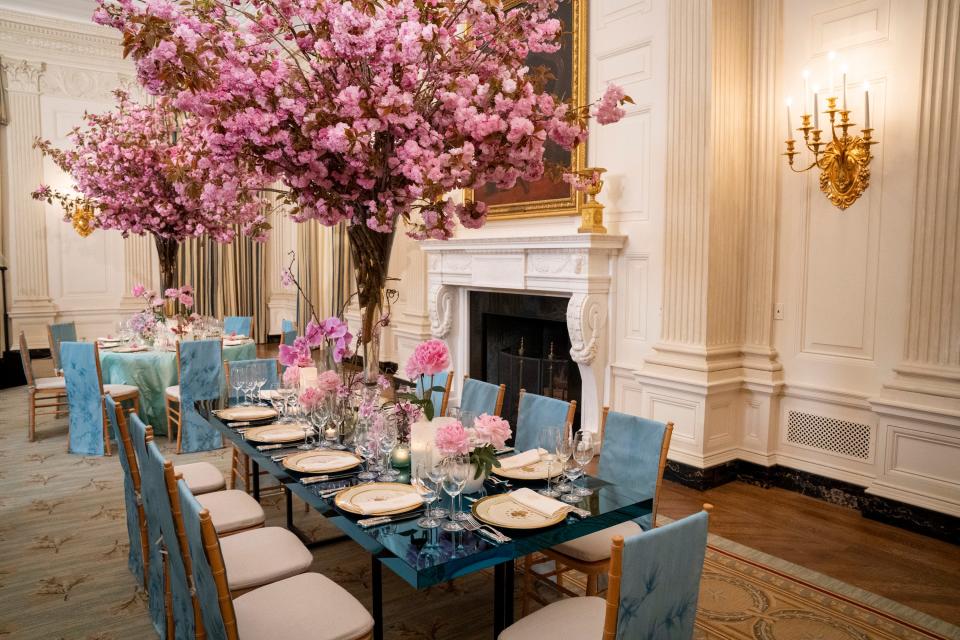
(369, 111)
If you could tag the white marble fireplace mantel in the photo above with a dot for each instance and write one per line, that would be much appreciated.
(578, 266)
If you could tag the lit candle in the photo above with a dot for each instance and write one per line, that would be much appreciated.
(789, 124)
(401, 456)
(866, 105)
(806, 94)
(830, 58)
(330, 434)
(816, 107)
(843, 70)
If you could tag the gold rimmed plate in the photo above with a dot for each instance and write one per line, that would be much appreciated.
(321, 461)
(276, 433)
(247, 413)
(503, 511)
(129, 349)
(385, 492)
(535, 471)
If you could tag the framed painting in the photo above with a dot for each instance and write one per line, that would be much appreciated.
(567, 79)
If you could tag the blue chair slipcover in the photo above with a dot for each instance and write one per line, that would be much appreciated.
(630, 455)
(163, 537)
(289, 331)
(437, 380)
(239, 325)
(267, 367)
(535, 415)
(84, 398)
(479, 397)
(59, 333)
(661, 580)
(131, 498)
(201, 365)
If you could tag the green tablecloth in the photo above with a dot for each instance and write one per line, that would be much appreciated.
(153, 372)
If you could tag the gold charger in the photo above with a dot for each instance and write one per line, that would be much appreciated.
(276, 433)
(535, 471)
(298, 461)
(503, 511)
(247, 413)
(376, 491)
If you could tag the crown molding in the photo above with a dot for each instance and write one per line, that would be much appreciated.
(43, 38)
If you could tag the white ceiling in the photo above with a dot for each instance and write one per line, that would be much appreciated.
(78, 10)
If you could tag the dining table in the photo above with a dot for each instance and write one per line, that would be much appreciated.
(427, 557)
(153, 370)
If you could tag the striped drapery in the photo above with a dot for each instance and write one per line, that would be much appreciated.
(323, 268)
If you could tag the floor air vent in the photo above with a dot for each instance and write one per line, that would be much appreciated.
(840, 437)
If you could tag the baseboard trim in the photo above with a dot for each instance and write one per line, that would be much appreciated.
(893, 512)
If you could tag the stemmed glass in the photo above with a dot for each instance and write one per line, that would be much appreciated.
(259, 381)
(236, 382)
(564, 449)
(249, 386)
(435, 473)
(428, 490)
(456, 469)
(453, 412)
(317, 420)
(583, 446)
(287, 392)
(548, 443)
(365, 444)
(388, 442)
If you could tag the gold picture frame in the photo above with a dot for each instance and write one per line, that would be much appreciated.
(502, 204)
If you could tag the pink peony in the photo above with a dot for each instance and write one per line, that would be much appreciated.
(453, 439)
(311, 398)
(138, 290)
(492, 430)
(328, 382)
(186, 300)
(291, 375)
(429, 358)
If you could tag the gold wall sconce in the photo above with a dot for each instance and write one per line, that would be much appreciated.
(843, 159)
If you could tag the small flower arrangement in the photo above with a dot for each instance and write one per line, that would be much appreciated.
(145, 323)
(480, 441)
(428, 359)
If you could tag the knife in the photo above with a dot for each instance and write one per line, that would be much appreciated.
(372, 522)
(328, 477)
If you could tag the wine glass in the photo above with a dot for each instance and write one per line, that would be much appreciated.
(250, 385)
(388, 442)
(453, 412)
(287, 391)
(572, 471)
(365, 445)
(584, 445)
(547, 442)
(236, 382)
(317, 420)
(428, 490)
(259, 381)
(435, 473)
(456, 469)
(564, 449)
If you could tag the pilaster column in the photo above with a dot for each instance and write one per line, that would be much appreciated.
(26, 235)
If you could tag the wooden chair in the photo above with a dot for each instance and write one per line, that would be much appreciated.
(635, 454)
(239, 325)
(288, 332)
(536, 413)
(57, 333)
(654, 584)
(42, 393)
(173, 395)
(479, 397)
(440, 399)
(240, 467)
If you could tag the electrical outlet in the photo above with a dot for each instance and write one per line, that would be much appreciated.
(778, 311)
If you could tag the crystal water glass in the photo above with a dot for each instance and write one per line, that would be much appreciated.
(584, 445)
(365, 446)
(428, 490)
(236, 383)
(547, 442)
(435, 473)
(572, 472)
(388, 442)
(564, 450)
(456, 469)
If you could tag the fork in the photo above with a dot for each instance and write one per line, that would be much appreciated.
(472, 524)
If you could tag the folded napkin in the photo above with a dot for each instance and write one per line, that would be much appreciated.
(531, 456)
(371, 506)
(547, 507)
(281, 434)
(236, 336)
(269, 394)
(326, 463)
(234, 342)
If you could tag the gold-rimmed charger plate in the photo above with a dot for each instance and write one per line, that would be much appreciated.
(535, 471)
(129, 349)
(503, 511)
(247, 413)
(276, 433)
(375, 491)
(338, 460)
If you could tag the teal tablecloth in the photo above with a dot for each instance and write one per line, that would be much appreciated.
(153, 372)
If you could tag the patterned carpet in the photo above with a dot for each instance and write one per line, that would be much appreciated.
(63, 566)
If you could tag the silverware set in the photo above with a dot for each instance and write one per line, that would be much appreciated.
(470, 523)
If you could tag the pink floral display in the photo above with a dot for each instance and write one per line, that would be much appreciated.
(453, 439)
(311, 398)
(428, 358)
(291, 375)
(492, 430)
(328, 382)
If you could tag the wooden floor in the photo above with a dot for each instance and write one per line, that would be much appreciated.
(917, 571)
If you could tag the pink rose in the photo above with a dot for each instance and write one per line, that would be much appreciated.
(429, 358)
(492, 430)
(171, 293)
(186, 300)
(453, 439)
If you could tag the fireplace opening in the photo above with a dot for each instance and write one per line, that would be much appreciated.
(521, 341)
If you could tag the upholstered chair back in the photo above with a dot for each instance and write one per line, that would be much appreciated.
(200, 365)
(136, 529)
(81, 372)
(288, 331)
(538, 414)
(240, 325)
(57, 333)
(480, 397)
(267, 368)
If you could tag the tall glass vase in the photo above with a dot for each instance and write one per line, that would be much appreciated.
(370, 251)
(167, 250)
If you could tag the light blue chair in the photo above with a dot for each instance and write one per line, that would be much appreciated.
(654, 587)
(288, 331)
(199, 363)
(479, 397)
(57, 333)
(272, 611)
(88, 434)
(240, 325)
(132, 500)
(538, 414)
(439, 398)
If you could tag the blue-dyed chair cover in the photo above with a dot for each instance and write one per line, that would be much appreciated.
(155, 570)
(84, 397)
(204, 582)
(437, 380)
(240, 325)
(131, 495)
(288, 331)
(201, 365)
(535, 415)
(58, 333)
(266, 367)
(661, 580)
(163, 535)
(630, 455)
(479, 397)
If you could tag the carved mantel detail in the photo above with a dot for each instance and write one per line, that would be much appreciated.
(441, 310)
(586, 320)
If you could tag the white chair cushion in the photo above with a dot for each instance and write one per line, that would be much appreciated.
(43, 384)
(173, 392)
(232, 510)
(309, 606)
(580, 618)
(262, 556)
(596, 546)
(201, 477)
(121, 390)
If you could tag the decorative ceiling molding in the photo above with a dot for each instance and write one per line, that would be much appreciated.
(33, 36)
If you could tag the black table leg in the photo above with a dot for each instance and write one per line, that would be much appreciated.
(508, 593)
(255, 468)
(377, 586)
(289, 498)
(502, 597)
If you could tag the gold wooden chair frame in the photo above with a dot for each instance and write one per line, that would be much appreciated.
(126, 449)
(446, 395)
(499, 406)
(54, 399)
(564, 564)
